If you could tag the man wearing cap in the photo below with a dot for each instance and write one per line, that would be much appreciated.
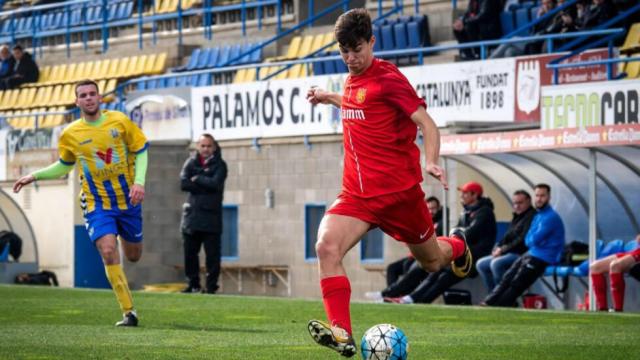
(545, 240)
(479, 224)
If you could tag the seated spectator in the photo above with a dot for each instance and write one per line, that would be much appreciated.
(479, 22)
(479, 225)
(599, 12)
(616, 265)
(404, 268)
(492, 267)
(545, 240)
(542, 27)
(5, 61)
(22, 70)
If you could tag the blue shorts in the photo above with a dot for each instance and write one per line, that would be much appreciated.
(126, 223)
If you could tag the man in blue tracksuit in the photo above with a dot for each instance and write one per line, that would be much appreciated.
(545, 240)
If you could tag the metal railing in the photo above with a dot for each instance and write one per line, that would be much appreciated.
(140, 19)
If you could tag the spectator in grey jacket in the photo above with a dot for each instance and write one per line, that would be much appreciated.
(203, 176)
(492, 267)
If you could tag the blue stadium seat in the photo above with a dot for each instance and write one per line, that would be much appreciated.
(193, 80)
(142, 85)
(183, 80)
(388, 42)
(423, 28)
(89, 15)
(522, 17)
(612, 247)
(234, 52)
(400, 34)
(533, 12)
(204, 80)
(203, 58)
(193, 60)
(60, 20)
(341, 67)
(223, 57)
(377, 46)
(125, 10)
(330, 65)
(506, 19)
(630, 245)
(113, 11)
(414, 40)
(212, 60)
(318, 68)
(404, 19)
(256, 55)
(246, 59)
(171, 82)
(76, 17)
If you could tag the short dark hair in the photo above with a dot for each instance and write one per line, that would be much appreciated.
(18, 47)
(523, 193)
(208, 136)
(433, 198)
(543, 186)
(352, 27)
(86, 82)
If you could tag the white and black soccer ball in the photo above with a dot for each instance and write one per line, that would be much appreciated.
(384, 342)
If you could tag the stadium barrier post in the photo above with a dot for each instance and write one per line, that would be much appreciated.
(140, 24)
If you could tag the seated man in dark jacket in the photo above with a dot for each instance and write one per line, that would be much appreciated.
(203, 176)
(479, 224)
(492, 267)
(545, 240)
(22, 70)
(479, 22)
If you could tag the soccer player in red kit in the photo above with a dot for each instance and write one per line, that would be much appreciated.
(382, 176)
(616, 265)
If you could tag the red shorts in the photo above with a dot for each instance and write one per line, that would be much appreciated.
(634, 253)
(402, 215)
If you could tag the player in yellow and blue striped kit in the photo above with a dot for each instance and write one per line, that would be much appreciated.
(111, 153)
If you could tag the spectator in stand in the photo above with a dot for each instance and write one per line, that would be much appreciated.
(545, 240)
(479, 225)
(616, 265)
(5, 61)
(492, 267)
(599, 12)
(479, 22)
(406, 267)
(22, 70)
(541, 27)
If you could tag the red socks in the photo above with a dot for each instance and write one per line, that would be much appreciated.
(336, 295)
(600, 290)
(457, 246)
(617, 290)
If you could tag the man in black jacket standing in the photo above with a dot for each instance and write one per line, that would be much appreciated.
(203, 176)
(492, 267)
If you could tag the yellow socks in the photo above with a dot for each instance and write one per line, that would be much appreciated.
(120, 286)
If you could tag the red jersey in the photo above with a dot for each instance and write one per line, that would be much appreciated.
(381, 156)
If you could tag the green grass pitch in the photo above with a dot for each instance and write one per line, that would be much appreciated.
(50, 323)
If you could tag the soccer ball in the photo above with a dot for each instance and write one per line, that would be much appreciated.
(384, 342)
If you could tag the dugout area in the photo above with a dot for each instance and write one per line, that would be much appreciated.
(12, 218)
(594, 180)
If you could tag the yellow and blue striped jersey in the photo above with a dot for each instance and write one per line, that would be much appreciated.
(106, 152)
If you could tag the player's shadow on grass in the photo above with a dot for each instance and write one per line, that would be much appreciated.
(212, 328)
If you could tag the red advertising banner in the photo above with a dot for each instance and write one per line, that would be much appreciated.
(532, 74)
(595, 136)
